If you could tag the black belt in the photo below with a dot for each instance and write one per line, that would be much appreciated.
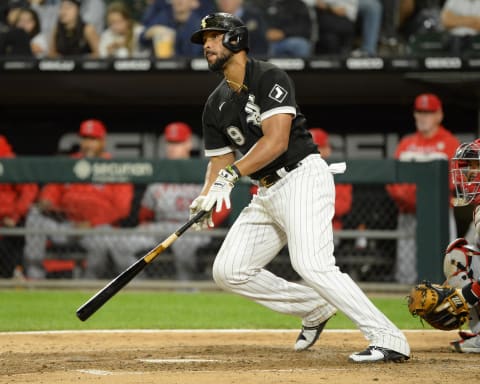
(268, 180)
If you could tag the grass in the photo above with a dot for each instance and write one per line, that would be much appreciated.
(55, 310)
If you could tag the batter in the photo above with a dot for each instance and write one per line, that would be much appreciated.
(253, 113)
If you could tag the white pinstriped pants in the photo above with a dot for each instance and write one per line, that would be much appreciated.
(298, 209)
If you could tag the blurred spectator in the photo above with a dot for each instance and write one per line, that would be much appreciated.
(72, 36)
(168, 32)
(390, 41)
(253, 19)
(92, 12)
(204, 7)
(343, 192)
(15, 200)
(13, 41)
(430, 142)
(29, 22)
(137, 7)
(121, 39)
(461, 18)
(419, 17)
(289, 28)
(370, 19)
(336, 26)
(13, 9)
(81, 206)
(165, 207)
(200, 7)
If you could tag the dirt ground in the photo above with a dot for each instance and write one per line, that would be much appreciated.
(201, 357)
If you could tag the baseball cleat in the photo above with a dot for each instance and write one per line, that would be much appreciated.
(469, 343)
(308, 336)
(375, 354)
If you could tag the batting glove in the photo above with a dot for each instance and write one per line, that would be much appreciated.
(207, 221)
(220, 190)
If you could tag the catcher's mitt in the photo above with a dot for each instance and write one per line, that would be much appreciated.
(443, 307)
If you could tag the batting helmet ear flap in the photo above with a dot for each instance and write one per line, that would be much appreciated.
(236, 39)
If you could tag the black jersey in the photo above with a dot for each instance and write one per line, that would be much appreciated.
(232, 121)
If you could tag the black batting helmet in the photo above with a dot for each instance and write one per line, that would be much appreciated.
(236, 33)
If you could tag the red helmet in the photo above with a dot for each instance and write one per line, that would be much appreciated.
(465, 169)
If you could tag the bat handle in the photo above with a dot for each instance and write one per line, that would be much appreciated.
(194, 219)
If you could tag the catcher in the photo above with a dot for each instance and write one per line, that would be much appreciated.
(451, 305)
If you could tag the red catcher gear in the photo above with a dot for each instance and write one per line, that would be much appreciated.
(458, 258)
(465, 170)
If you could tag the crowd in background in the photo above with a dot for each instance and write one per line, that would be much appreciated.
(278, 28)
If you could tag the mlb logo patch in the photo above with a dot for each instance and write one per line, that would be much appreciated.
(278, 93)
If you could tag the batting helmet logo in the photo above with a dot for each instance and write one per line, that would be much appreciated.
(235, 32)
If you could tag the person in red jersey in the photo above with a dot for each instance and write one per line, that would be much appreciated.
(15, 201)
(431, 141)
(82, 206)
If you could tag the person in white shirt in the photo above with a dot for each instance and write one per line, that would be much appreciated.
(461, 18)
(121, 38)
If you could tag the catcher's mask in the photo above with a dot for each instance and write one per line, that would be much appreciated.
(235, 36)
(465, 170)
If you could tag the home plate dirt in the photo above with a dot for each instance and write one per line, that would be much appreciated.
(217, 357)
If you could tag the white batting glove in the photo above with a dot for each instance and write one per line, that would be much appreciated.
(207, 221)
(220, 190)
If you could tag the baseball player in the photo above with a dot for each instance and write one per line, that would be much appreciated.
(79, 205)
(431, 141)
(462, 260)
(253, 112)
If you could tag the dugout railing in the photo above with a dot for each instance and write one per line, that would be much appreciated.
(431, 179)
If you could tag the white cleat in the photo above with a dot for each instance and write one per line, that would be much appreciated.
(308, 336)
(375, 354)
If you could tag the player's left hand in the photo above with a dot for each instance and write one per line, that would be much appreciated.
(207, 221)
(220, 190)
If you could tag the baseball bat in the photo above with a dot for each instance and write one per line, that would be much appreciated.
(107, 292)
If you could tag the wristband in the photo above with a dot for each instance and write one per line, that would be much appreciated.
(234, 171)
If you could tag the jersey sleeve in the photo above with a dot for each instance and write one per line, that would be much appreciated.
(148, 199)
(216, 143)
(277, 94)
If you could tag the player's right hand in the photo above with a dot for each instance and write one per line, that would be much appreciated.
(207, 221)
